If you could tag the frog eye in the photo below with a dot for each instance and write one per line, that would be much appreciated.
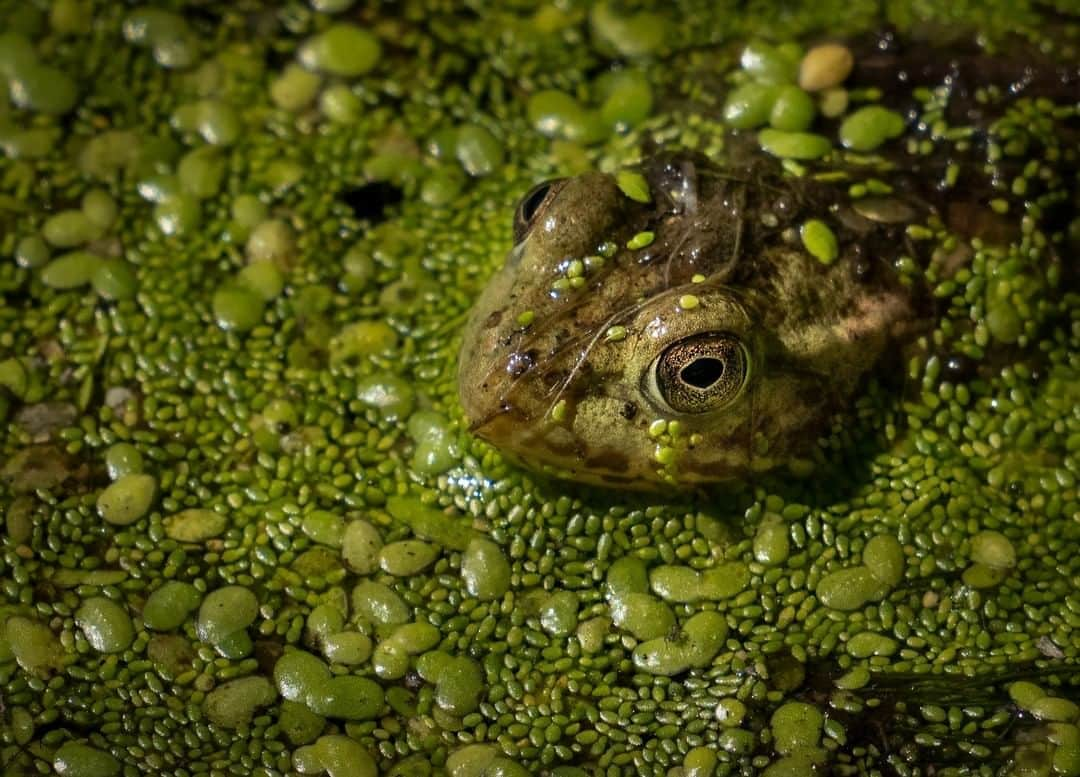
(700, 373)
(533, 204)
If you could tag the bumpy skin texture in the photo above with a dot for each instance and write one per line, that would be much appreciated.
(561, 394)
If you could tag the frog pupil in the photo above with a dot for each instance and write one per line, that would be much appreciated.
(532, 202)
(702, 373)
(529, 208)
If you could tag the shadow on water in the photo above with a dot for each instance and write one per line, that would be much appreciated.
(939, 721)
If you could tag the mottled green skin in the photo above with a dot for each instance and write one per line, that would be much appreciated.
(810, 330)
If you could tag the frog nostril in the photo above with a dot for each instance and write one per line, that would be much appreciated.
(702, 373)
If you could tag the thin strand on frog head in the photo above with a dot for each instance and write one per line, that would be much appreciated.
(671, 257)
(736, 243)
(595, 338)
(752, 426)
(624, 313)
(687, 202)
(603, 328)
(740, 221)
(688, 192)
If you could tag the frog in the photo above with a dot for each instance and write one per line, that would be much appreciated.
(723, 332)
(670, 323)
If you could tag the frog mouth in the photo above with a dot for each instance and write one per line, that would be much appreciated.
(512, 432)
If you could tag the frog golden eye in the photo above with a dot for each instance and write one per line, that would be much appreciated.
(700, 373)
(533, 204)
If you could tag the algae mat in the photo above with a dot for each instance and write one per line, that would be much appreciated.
(246, 531)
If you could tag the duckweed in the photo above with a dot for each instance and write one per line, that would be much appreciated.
(884, 558)
(378, 603)
(194, 525)
(796, 725)
(340, 104)
(247, 531)
(676, 583)
(347, 647)
(407, 557)
(869, 127)
(724, 581)
(295, 88)
(271, 241)
(264, 279)
(70, 270)
(14, 377)
(324, 527)
(633, 185)
(850, 589)
(485, 570)
(749, 106)
(361, 545)
(478, 150)
(1053, 708)
(114, 279)
(169, 605)
(412, 638)
(825, 66)
(105, 624)
(226, 611)
(323, 620)
(993, 549)
(792, 109)
(237, 308)
(341, 756)
(1025, 693)
(42, 88)
(771, 543)
(559, 615)
(347, 697)
(701, 639)
(819, 240)
(626, 99)
(556, 114)
(644, 616)
(360, 339)
(458, 686)
(200, 172)
(73, 759)
(233, 704)
(127, 499)
(794, 145)
(299, 676)
(470, 760)
(166, 33)
(33, 645)
(868, 643)
(343, 49)
(769, 64)
(436, 445)
(632, 35)
(177, 214)
(31, 252)
(730, 712)
(70, 228)
(389, 662)
(214, 120)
